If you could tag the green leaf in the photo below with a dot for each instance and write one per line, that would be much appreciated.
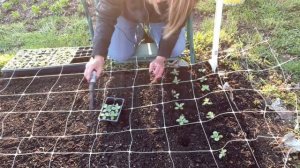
(205, 88)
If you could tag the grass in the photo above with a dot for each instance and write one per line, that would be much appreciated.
(49, 32)
(257, 20)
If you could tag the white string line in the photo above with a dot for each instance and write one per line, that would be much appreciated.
(66, 125)
(245, 138)
(148, 152)
(180, 82)
(18, 148)
(285, 81)
(131, 111)
(164, 121)
(10, 78)
(48, 96)
(199, 117)
(154, 104)
(265, 102)
(7, 114)
(2, 132)
(98, 124)
(136, 129)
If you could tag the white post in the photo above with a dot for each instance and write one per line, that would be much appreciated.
(217, 30)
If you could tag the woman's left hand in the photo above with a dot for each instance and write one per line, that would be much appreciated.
(157, 67)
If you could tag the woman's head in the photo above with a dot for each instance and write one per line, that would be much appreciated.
(178, 11)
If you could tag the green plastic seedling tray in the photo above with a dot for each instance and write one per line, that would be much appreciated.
(110, 101)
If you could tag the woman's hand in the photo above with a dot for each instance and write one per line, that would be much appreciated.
(157, 67)
(95, 64)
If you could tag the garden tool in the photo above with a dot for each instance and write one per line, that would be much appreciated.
(217, 30)
(92, 90)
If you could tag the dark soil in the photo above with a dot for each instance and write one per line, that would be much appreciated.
(63, 124)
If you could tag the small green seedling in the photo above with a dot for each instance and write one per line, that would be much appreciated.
(205, 88)
(179, 106)
(203, 79)
(176, 80)
(210, 115)
(175, 72)
(207, 102)
(202, 70)
(110, 111)
(222, 153)
(175, 94)
(182, 120)
(216, 136)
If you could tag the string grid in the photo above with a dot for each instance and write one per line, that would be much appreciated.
(97, 132)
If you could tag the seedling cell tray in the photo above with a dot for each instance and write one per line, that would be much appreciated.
(48, 61)
(111, 102)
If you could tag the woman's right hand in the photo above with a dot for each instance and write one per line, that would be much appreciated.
(95, 64)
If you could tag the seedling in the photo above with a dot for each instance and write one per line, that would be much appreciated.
(205, 88)
(175, 94)
(201, 70)
(216, 136)
(182, 120)
(176, 80)
(179, 106)
(175, 72)
(210, 115)
(111, 109)
(222, 153)
(203, 79)
(207, 102)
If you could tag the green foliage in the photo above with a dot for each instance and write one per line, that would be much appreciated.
(110, 111)
(15, 15)
(44, 5)
(175, 94)
(203, 42)
(7, 5)
(182, 120)
(49, 32)
(222, 153)
(24, 6)
(4, 59)
(216, 136)
(179, 106)
(205, 88)
(14, 2)
(207, 101)
(58, 6)
(175, 72)
(210, 115)
(36, 10)
(176, 80)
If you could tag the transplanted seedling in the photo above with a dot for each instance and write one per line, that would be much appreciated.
(179, 106)
(216, 136)
(205, 88)
(175, 94)
(175, 72)
(182, 120)
(210, 115)
(207, 102)
(222, 153)
(176, 80)
(202, 70)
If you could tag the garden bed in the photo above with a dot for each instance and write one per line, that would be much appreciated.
(53, 125)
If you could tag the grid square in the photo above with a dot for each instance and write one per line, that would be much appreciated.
(59, 101)
(112, 142)
(50, 124)
(18, 124)
(82, 122)
(70, 160)
(7, 103)
(41, 84)
(148, 117)
(156, 141)
(153, 160)
(31, 103)
(74, 144)
(32, 160)
(109, 160)
(37, 144)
